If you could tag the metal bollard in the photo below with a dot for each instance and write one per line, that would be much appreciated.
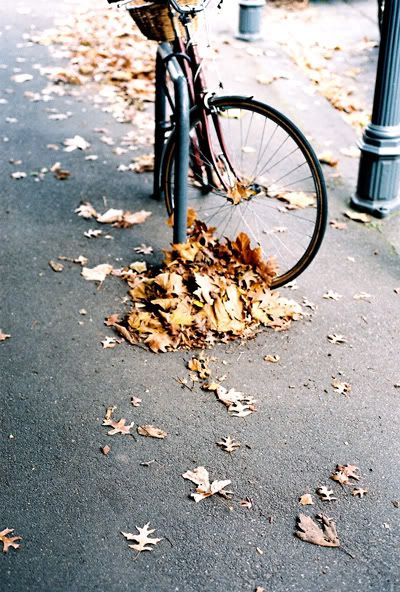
(250, 18)
(378, 186)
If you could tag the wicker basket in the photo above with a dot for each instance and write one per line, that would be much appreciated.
(154, 21)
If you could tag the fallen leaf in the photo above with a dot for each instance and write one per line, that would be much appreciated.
(297, 199)
(93, 233)
(143, 541)
(105, 449)
(228, 444)
(118, 427)
(151, 432)
(200, 477)
(246, 503)
(138, 266)
(310, 532)
(343, 473)
(337, 338)
(86, 210)
(326, 494)
(98, 273)
(110, 216)
(362, 296)
(338, 225)
(109, 342)
(143, 249)
(343, 388)
(77, 142)
(18, 175)
(9, 541)
(328, 158)
(306, 500)
(396, 503)
(331, 295)
(143, 163)
(357, 216)
(136, 401)
(272, 358)
(359, 492)
(55, 266)
(59, 173)
(4, 336)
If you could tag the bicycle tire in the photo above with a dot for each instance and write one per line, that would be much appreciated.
(224, 105)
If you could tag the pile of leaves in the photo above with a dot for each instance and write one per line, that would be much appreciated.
(207, 290)
(104, 46)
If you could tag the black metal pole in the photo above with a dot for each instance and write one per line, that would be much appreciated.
(378, 186)
(182, 128)
(160, 122)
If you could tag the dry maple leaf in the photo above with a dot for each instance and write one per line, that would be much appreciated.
(228, 444)
(9, 541)
(272, 358)
(297, 199)
(4, 336)
(110, 216)
(359, 492)
(118, 427)
(143, 163)
(246, 503)
(338, 225)
(143, 249)
(357, 216)
(310, 532)
(143, 542)
(328, 158)
(55, 266)
(151, 431)
(77, 142)
(109, 342)
(131, 218)
(200, 477)
(98, 273)
(343, 388)
(91, 233)
(343, 473)
(362, 296)
(86, 210)
(331, 295)
(326, 494)
(306, 500)
(337, 338)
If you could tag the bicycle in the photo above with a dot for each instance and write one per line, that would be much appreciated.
(250, 168)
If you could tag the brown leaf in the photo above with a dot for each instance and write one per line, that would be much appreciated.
(326, 494)
(328, 158)
(306, 500)
(98, 273)
(359, 492)
(151, 431)
(118, 427)
(4, 336)
(272, 358)
(310, 532)
(143, 541)
(338, 225)
(343, 388)
(357, 216)
(136, 401)
(9, 542)
(105, 449)
(200, 477)
(55, 266)
(228, 444)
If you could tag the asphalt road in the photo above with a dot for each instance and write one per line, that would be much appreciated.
(67, 500)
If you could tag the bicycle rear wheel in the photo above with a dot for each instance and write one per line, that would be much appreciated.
(268, 182)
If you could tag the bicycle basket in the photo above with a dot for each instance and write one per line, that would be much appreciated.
(154, 21)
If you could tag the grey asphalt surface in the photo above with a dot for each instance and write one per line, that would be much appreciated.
(67, 500)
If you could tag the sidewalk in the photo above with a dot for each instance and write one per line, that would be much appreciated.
(66, 499)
